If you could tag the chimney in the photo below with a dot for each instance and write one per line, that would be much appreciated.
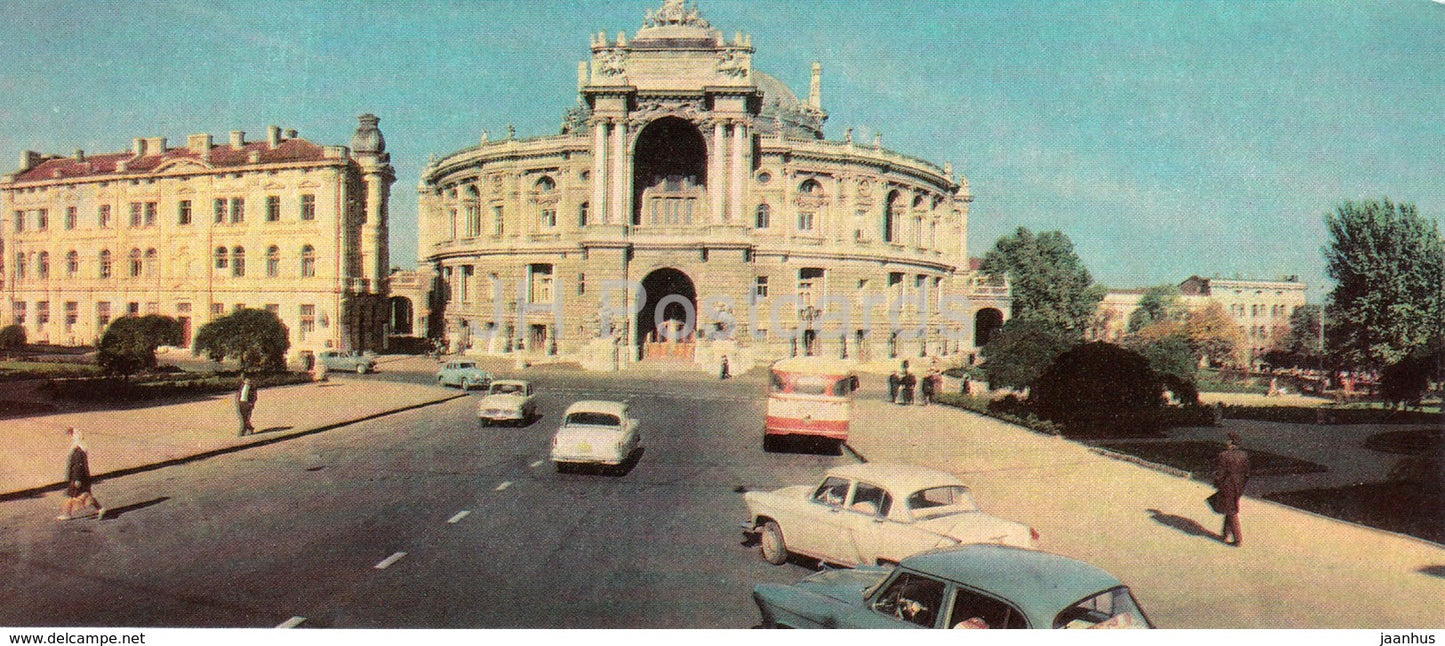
(29, 159)
(273, 136)
(156, 146)
(139, 147)
(79, 155)
(238, 139)
(199, 144)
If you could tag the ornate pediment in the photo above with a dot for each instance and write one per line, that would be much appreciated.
(649, 110)
(678, 13)
(183, 166)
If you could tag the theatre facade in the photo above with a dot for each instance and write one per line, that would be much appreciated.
(691, 207)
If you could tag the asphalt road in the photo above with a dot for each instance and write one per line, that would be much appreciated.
(424, 520)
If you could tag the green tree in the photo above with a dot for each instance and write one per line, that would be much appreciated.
(256, 339)
(1156, 305)
(129, 343)
(1047, 281)
(1099, 389)
(1021, 350)
(12, 338)
(1298, 343)
(1389, 269)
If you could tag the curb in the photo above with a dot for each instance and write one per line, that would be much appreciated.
(34, 492)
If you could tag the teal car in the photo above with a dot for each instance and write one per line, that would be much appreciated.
(463, 374)
(970, 586)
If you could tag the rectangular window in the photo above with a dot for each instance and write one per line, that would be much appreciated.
(218, 310)
(238, 210)
(581, 284)
(70, 217)
(150, 217)
(273, 208)
(42, 219)
(805, 220)
(274, 308)
(540, 282)
(135, 214)
(19, 221)
(497, 225)
(308, 207)
(183, 213)
(220, 210)
(102, 216)
(72, 315)
(42, 313)
(20, 264)
(549, 218)
(132, 309)
(465, 291)
(102, 314)
(760, 288)
(810, 285)
(474, 221)
(307, 317)
(19, 313)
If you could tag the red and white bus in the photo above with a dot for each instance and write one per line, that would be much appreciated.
(809, 397)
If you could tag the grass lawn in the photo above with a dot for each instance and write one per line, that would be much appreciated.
(17, 370)
(1405, 507)
(1198, 458)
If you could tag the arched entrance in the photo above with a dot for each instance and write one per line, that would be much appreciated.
(985, 323)
(402, 315)
(669, 174)
(671, 299)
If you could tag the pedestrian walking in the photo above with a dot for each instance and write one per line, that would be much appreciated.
(77, 478)
(927, 387)
(1231, 472)
(893, 379)
(906, 383)
(245, 403)
(723, 371)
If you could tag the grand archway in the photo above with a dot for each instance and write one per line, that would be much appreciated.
(669, 174)
(985, 323)
(671, 299)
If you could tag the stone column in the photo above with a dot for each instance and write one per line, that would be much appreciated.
(717, 178)
(618, 200)
(598, 207)
(735, 194)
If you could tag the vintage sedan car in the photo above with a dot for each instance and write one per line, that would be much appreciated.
(968, 586)
(874, 513)
(595, 432)
(507, 400)
(463, 374)
(358, 363)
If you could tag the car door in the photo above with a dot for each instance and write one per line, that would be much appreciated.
(872, 534)
(908, 600)
(822, 530)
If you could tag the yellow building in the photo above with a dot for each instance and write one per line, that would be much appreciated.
(195, 232)
(1261, 308)
(690, 198)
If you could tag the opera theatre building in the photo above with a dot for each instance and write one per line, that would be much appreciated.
(692, 208)
(200, 230)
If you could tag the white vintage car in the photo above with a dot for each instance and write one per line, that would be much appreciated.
(874, 514)
(507, 400)
(595, 432)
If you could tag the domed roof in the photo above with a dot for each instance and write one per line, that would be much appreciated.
(775, 92)
(783, 113)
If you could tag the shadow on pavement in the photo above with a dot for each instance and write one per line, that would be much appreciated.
(273, 429)
(1433, 570)
(112, 513)
(1186, 525)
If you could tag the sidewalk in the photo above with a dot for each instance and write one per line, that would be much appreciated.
(1154, 531)
(127, 441)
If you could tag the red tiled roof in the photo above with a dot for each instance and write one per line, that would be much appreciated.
(222, 156)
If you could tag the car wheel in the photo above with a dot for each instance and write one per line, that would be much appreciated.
(361, 370)
(771, 544)
(771, 443)
(563, 467)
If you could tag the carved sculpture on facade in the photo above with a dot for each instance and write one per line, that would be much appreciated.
(732, 62)
(612, 62)
(676, 12)
(649, 110)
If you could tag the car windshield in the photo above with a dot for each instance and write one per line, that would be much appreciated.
(941, 501)
(464, 366)
(506, 389)
(589, 418)
(1114, 608)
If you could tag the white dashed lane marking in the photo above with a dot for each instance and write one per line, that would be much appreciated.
(389, 560)
(292, 622)
(458, 518)
(504, 485)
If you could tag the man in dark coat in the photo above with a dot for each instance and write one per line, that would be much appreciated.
(1231, 472)
(77, 477)
(893, 387)
(245, 403)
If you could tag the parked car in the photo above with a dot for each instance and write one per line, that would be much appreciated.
(595, 432)
(969, 586)
(463, 374)
(874, 513)
(507, 400)
(359, 363)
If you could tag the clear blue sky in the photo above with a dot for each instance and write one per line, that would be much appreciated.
(1165, 138)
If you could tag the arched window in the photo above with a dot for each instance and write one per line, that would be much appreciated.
(222, 260)
(135, 263)
(238, 262)
(545, 185)
(150, 262)
(892, 217)
(273, 261)
(105, 263)
(811, 187)
(308, 261)
(42, 265)
(764, 217)
(72, 263)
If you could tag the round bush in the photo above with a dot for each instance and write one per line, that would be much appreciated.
(1099, 389)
